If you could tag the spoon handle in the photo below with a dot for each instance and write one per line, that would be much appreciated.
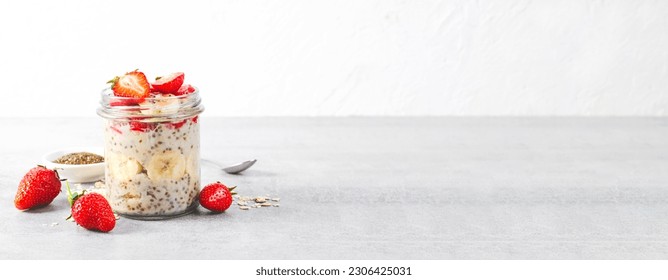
(233, 169)
(211, 162)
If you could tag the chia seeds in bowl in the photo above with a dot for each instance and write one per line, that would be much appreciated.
(79, 158)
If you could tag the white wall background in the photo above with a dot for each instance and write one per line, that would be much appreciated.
(352, 57)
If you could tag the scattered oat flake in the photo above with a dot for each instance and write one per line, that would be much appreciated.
(248, 202)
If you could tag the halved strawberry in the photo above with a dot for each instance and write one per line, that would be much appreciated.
(176, 125)
(132, 84)
(141, 126)
(170, 83)
(185, 89)
(126, 102)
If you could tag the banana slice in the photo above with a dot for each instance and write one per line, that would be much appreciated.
(122, 167)
(167, 165)
(192, 165)
(162, 104)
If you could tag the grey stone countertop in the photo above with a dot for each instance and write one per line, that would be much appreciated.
(380, 188)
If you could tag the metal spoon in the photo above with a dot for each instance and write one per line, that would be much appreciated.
(237, 168)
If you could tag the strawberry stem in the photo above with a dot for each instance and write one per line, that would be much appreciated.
(69, 193)
(69, 198)
(113, 81)
(72, 197)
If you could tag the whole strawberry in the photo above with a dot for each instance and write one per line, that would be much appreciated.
(37, 188)
(91, 211)
(216, 197)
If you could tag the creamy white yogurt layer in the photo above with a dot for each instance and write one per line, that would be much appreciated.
(152, 168)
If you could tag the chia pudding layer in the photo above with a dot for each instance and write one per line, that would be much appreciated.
(152, 168)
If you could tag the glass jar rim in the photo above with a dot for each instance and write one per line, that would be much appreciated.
(150, 109)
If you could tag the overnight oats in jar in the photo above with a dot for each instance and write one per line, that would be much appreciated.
(152, 144)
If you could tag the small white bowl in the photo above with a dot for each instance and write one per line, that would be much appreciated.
(76, 173)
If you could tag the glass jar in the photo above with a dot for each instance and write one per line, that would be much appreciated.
(152, 158)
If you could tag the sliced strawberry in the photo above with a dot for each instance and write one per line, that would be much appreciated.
(126, 102)
(170, 83)
(176, 125)
(115, 129)
(185, 89)
(195, 119)
(141, 126)
(132, 84)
